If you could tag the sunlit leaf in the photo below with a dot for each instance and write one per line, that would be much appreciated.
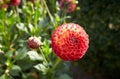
(22, 27)
(41, 67)
(33, 55)
(20, 54)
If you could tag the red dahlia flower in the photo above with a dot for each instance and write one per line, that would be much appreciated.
(70, 41)
(68, 5)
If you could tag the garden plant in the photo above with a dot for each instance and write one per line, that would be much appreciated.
(36, 41)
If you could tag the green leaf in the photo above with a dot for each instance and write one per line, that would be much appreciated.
(46, 48)
(33, 55)
(21, 53)
(64, 76)
(15, 71)
(9, 53)
(25, 64)
(1, 70)
(2, 14)
(41, 67)
(22, 27)
(2, 58)
(21, 42)
(12, 19)
(2, 77)
(5, 76)
(30, 27)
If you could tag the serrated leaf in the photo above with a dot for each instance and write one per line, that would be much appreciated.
(33, 55)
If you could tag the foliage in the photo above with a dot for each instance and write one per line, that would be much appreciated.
(17, 24)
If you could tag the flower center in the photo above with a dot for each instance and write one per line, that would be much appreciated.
(75, 40)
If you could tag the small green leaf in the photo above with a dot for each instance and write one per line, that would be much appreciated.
(46, 48)
(33, 55)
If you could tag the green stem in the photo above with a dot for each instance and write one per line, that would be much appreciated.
(9, 65)
(57, 63)
(35, 22)
(50, 15)
(43, 56)
(63, 15)
(15, 10)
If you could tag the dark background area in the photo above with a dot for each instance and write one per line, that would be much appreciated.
(101, 19)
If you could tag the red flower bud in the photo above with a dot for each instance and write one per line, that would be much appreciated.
(15, 2)
(34, 42)
(68, 5)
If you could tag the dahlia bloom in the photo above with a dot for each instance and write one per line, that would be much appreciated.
(70, 42)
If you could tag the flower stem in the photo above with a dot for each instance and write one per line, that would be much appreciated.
(50, 15)
(57, 63)
(43, 56)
